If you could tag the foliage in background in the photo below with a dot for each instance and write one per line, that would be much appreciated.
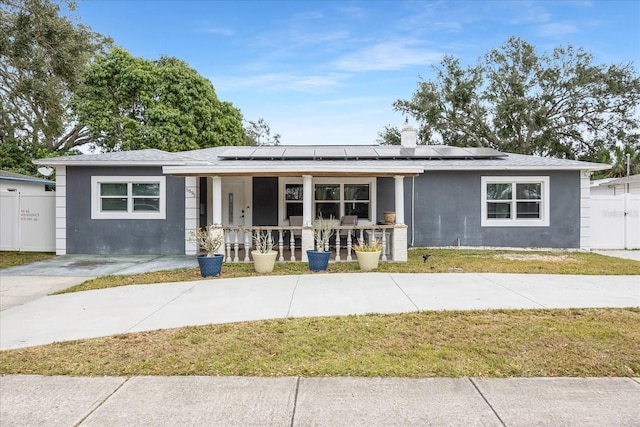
(259, 133)
(130, 103)
(557, 104)
(42, 58)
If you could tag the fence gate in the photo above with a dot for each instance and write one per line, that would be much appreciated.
(615, 221)
(27, 222)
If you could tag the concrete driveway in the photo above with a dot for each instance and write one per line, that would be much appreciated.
(21, 284)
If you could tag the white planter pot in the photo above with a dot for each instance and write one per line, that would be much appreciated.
(264, 263)
(368, 260)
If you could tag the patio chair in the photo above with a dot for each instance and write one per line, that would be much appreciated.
(349, 220)
(296, 221)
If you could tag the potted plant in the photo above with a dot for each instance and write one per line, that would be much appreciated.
(322, 232)
(209, 239)
(264, 257)
(368, 254)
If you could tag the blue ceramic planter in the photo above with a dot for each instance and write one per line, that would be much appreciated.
(210, 266)
(318, 261)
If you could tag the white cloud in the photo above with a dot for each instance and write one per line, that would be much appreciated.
(389, 55)
(556, 29)
(279, 81)
(218, 30)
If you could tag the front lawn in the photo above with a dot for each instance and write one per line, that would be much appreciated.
(497, 343)
(12, 259)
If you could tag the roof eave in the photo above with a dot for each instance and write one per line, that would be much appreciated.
(54, 162)
(291, 169)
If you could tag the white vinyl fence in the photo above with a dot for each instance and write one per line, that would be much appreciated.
(615, 222)
(27, 222)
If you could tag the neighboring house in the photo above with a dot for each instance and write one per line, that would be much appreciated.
(27, 213)
(146, 202)
(615, 211)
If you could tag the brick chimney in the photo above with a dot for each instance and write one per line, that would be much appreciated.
(408, 135)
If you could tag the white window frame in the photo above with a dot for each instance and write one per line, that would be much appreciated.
(97, 213)
(371, 181)
(544, 219)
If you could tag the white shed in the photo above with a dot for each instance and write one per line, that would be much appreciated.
(27, 213)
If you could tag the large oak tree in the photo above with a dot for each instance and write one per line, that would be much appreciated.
(517, 100)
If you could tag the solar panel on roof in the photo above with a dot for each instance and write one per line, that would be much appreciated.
(238, 152)
(299, 153)
(361, 152)
(330, 153)
(268, 152)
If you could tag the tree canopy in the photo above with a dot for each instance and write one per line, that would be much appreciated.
(557, 104)
(130, 103)
(259, 133)
(42, 55)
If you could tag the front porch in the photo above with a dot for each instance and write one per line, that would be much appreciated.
(288, 241)
(244, 197)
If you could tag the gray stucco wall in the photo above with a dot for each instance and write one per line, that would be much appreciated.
(448, 208)
(117, 236)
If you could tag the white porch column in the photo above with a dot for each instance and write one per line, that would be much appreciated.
(191, 212)
(307, 199)
(399, 199)
(216, 201)
(307, 242)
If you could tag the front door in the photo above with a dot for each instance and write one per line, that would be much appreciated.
(233, 206)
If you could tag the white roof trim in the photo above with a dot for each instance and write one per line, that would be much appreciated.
(54, 162)
(303, 168)
(593, 167)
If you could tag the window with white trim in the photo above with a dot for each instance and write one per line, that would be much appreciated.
(128, 197)
(348, 196)
(293, 200)
(342, 199)
(509, 201)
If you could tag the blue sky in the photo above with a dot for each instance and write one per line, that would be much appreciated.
(327, 72)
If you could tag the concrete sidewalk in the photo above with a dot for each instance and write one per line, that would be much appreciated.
(168, 305)
(293, 401)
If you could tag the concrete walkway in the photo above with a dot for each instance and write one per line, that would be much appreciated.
(169, 305)
(293, 401)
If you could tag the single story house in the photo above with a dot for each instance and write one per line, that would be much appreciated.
(147, 201)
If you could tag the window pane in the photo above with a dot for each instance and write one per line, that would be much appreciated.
(113, 189)
(113, 204)
(528, 210)
(146, 189)
(360, 209)
(356, 191)
(327, 191)
(498, 191)
(146, 204)
(294, 209)
(498, 210)
(327, 210)
(529, 191)
(293, 192)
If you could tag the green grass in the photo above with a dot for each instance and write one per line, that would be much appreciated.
(499, 343)
(441, 261)
(12, 259)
